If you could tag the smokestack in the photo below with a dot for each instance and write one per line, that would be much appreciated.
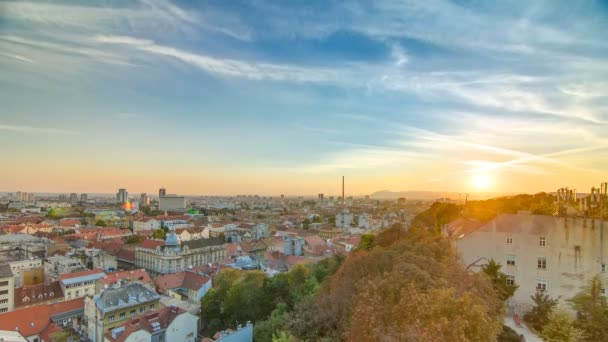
(343, 190)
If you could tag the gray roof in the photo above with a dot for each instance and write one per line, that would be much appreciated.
(124, 296)
(200, 243)
(5, 271)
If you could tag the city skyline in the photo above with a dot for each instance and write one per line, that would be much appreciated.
(229, 98)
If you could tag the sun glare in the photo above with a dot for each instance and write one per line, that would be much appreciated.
(481, 181)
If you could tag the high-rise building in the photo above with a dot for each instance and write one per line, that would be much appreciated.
(320, 197)
(73, 197)
(83, 198)
(122, 196)
(63, 198)
(162, 192)
(144, 199)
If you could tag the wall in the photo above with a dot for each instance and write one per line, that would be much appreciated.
(183, 328)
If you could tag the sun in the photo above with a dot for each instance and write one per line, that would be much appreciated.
(481, 181)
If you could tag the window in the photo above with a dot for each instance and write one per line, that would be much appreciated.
(603, 268)
(151, 306)
(122, 315)
(541, 284)
(541, 263)
(4, 310)
(111, 318)
(142, 309)
(510, 280)
(3, 301)
(603, 291)
(509, 239)
(542, 241)
(132, 313)
(3, 292)
(511, 259)
(3, 283)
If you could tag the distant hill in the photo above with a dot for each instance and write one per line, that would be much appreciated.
(431, 195)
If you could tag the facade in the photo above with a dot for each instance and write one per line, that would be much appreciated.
(122, 196)
(364, 221)
(20, 267)
(115, 306)
(58, 265)
(167, 324)
(32, 295)
(187, 285)
(162, 192)
(241, 334)
(144, 199)
(80, 284)
(7, 289)
(344, 219)
(101, 259)
(145, 223)
(174, 256)
(171, 202)
(557, 255)
(293, 245)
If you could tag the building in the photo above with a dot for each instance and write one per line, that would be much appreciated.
(186, 285)
(174, 256)
(556, 255)
(145, 223)
(22, 276)
(73, 198)
(31, 295)
(344, 219)
(167, 324)
(171, 202)
(293, 245)
(364, 221)
(144, 199)
(117, 305)
(162, 192)
(140, 276)
(122, 196)
(80, 284)
(40, 322)
(7, 289)
(101, 259)
(58, 265)
(241, 334)
(83, 198)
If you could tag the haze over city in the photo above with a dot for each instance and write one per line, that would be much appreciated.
(215, 97)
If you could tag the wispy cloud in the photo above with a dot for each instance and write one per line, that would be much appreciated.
(17, 57)
(30, 129)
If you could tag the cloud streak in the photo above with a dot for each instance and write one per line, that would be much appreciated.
(31, 129)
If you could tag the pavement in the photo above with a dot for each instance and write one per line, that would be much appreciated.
(522, 330)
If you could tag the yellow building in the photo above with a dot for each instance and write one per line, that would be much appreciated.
(80, 284)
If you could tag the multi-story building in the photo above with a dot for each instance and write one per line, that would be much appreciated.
(20, 269)
(83, 198)
(344, 219)
(556, 255)
(167, 324)
(171, 202)
(293, 245)
(58, 265)
(115, 306)
(144, 199)
(145, 223)
(80, 284)
(122, 196)
(7, 289)
(364, 221)
(174, 256)
(73, 198)
(162, 192)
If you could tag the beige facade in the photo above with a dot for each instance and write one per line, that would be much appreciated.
(549, 253)
(7, 289)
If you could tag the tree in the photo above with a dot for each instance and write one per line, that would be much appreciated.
(134, 239)
(367, 242)
(561, 328)
(592, 310)
(499, 280)
(101, 223)
(539, 315)
(159, 234)
(508, 335)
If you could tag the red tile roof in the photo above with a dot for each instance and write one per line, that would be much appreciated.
(37, 294)
(151, 244)
(126, 255)
(80, 274)
(136, 275)
(33, 320)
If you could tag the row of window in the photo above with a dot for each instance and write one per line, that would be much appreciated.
(541, 284)
(542, 241)
(541, 263)
(123, 315)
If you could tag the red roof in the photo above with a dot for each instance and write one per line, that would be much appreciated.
(151, 244)
(163, 317)
(80, 274)
(135, 275)
(33, 320)
(37, 294)
(169, 281)
(126, 254)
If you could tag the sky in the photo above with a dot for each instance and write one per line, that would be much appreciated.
(284, 97)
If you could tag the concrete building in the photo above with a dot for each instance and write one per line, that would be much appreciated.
(101, 259)
(174, 256)
(344, 219)
(557, 255)
(144, 199)
(171, 202)
(7, 289)
(122, 196)
(115, 306)
(145, 223)
(20, 267)
(83, 198)
(293, 245)
(80, 284)
(241, 334)
(73, 198)
(162, 192)
(364, 221)
(58, 265)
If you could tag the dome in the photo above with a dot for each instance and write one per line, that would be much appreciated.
(172, 239)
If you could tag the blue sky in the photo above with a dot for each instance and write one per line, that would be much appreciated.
(269, 97)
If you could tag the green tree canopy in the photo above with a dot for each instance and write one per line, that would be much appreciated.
(560, 327)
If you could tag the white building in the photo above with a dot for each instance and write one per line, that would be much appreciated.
(344, 219)
(171, 202)
(145, 223)
(7, 289)
(364, 221)
(554, 254)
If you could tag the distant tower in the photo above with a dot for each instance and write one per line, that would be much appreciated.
(162, 192)
(320, 197)
(122, 196)
(83, 197)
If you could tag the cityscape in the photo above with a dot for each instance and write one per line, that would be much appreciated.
(273, 171)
